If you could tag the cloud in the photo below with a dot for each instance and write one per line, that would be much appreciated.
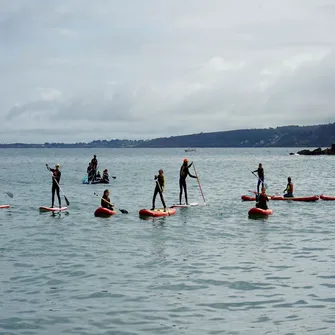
(77, 71)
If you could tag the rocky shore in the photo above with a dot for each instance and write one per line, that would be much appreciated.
(316, 152)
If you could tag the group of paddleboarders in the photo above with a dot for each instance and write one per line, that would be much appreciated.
(105, 200)
(160, 184)
(93, 175)
(262, 198)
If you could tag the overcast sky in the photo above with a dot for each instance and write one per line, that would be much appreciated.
(79, 70)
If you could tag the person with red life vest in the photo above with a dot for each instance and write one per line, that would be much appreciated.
(289, 189)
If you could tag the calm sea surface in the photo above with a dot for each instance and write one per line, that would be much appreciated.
(205, 270)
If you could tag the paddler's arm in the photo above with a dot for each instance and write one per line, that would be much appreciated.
(190, 165)
(191, 175)
(49, 168)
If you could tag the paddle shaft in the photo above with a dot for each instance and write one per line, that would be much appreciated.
(262, 181)
(202, 193)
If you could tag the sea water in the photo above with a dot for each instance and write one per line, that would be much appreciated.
(206, 270)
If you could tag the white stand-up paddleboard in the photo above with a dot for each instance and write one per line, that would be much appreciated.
(52, 209)
(192, 204)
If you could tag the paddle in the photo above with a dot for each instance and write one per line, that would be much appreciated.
(66, 200)
(265, 184)
(123, 211)
(199, 183)
(10, 194)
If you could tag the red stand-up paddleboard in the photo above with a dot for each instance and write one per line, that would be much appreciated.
(103, 212)
(157, 212)
(260, 212)
(247, 198)
(4, 206)
(52, 209)
(307, 199)
(327, 197)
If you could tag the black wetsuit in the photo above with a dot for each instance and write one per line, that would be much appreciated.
(105, 176)
(106, 204)
(262, 201)
(55, 187)
(159, 189)
(90, 173)
(94, 163)
(184, 172)
(260, 172)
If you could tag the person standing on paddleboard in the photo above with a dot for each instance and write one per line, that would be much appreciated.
(260, 172)
(94, 164)
(56, 174)
(289, 189)
(262, 200)
(184, 172)
(106, 201)
(160, 184)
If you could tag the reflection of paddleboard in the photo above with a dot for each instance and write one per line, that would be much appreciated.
(4, 206)
(53, 209)
(184, 205)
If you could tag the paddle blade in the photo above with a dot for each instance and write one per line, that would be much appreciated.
(67, 201)
(113, 177)
(10, 194)
(123, 211)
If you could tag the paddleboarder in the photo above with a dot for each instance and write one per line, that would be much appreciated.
(105, 176)
(262, 200)
(160, 183)
(105, 200)
(260, 172)
(94, 164)
(184, 172)
(56, 175)
(288, 189)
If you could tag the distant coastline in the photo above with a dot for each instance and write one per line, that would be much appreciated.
(287, 136)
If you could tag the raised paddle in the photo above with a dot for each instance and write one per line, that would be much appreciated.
(10, 194)
(66, 200)
(203, 197)
(123, 211)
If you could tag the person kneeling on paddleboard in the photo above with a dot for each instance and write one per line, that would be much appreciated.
(56, 174)
(184, 172)
(289, 189)
(262, 200)
(260, 172)
(106, 201)
(160, 183)
(105, 176)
